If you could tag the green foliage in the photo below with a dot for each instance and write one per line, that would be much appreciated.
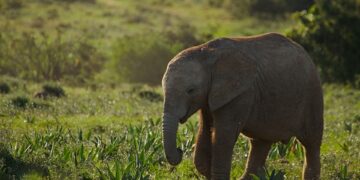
(53, 90)
(20, 101)
(143, 58)
(70, 151)
(114, 133)
(13, 83)
(261, 8)
(343, 173)
(151, 96)
(41, 58)
(280, 150)
(330, 32)
(4, 88)
(68, 1)
(11, 4)
(274, 175)
(11, 165)
(39, 40)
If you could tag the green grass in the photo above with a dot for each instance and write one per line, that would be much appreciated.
(111, 40)
(104, 131)
(116, 133)
(107, 20)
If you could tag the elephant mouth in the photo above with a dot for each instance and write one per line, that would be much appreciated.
(186, 117)
(183, 120)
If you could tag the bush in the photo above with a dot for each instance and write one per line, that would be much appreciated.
(143, 58)
(54, 90)
(11, 4)
(150, 96)
(4, 88)
(20, 101)
(50, 90)
(330, 32)
(14, 83)
(40, 58)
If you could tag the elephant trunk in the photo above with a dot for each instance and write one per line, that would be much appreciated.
(170, 127)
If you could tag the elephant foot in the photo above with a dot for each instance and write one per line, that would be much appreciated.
(246, 176)
(219, 177)
(203, 170)
(260, 172)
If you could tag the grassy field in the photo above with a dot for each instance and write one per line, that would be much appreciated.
(106, 129)
(116, 133)
(107, 20)
(82, 41)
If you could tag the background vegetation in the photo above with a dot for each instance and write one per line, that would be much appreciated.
(79, 83)
(330, 31)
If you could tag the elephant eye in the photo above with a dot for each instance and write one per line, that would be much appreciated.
(190, 91)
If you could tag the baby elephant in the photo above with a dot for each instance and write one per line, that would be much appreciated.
(265, 87)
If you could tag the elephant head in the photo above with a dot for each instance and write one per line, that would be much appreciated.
(200, 77)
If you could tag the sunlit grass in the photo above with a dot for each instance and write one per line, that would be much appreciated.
(114, 133)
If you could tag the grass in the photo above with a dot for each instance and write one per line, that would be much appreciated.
(110, 40)
(105, 131)
(116, 133)
(107, 20)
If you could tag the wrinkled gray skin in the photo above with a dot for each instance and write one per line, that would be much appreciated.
(265, 87)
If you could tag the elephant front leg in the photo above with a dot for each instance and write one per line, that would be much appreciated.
(202, 157)
(223, 141)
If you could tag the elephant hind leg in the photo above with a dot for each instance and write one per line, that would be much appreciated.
(311, 170)
(312, 142)
(259, 150)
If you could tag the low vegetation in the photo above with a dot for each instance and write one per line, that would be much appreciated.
(78, 43)
(330, 32)
(74, 101)
(4, 88)
(116, 133)
(40, 58)
(261, 8)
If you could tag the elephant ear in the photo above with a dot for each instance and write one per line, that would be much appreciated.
(233, 74)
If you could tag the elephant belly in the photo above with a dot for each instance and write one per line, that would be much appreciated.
(279, 123)
(268, 134)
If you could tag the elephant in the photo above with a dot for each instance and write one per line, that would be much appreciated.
(265, 87)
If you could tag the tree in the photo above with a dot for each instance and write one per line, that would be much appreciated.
(330, 32)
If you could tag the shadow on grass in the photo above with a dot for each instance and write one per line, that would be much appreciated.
(12, 168)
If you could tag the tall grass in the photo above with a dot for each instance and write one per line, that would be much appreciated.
(116, 133)
(129, 154)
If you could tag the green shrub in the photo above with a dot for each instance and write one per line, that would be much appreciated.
(51, 90)
(273, 175)
(14, 83)
(54, 90)
(143, 58)
(330, 32)
(11, 4)
(20, 101)
(150, 96)
(4, 88)
(40, 58)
